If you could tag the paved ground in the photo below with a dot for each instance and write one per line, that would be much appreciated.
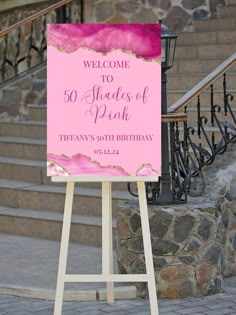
(28, 265)
(33, 263)
(220, 304)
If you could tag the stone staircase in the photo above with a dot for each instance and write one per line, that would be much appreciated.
(200, 52)
(31, 205)
(197, 54)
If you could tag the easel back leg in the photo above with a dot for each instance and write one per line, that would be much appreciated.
(147, 248)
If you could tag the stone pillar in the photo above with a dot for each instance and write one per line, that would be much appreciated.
(227, 207)
(188, 247)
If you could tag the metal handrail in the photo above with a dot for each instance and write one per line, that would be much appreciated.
(202, 85)
(34, 16)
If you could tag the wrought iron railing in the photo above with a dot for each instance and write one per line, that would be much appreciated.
(181, 173)
(196, 144)
(23, 45)
(215, 126)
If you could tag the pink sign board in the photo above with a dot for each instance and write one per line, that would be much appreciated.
(104, 100)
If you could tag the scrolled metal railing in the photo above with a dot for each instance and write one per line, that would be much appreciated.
(216, 128)
(192, 147)
(181, 165)
(23, 45)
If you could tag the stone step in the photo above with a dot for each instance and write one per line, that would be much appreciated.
(205, 97)
(196, 66)
(230, 2)
(25, 129)
(87, 201)
(225, 12)
(225, 24)
(24, 170)
(85, 230)
(222, 51)
(24, 148)
(183, 53)
(38, 113)
(202, 52)
(188, 81)
(206, 38)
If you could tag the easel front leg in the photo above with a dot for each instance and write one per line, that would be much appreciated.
(64, 248)
(107, 243)
(147, 248)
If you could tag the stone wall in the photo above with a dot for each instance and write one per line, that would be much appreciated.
(194, 245)
(27, 89)
(177, 14)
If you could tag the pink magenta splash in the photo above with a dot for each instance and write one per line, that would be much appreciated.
(141, 39)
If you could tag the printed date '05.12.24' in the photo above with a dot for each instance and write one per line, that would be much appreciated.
(106, 151)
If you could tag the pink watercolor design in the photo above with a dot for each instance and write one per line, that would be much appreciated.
(83, 165)
(53, 169)
(141, 39)
(146, 170)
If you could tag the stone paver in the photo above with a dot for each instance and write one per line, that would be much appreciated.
(33, 263)
(220, 304)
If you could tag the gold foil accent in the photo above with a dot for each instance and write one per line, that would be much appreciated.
(128, 52)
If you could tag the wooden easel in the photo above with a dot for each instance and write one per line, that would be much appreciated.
(107, 250)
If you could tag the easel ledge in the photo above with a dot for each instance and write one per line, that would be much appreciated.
(65, 179)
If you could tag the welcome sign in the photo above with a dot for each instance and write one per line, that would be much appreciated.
(104, 100)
